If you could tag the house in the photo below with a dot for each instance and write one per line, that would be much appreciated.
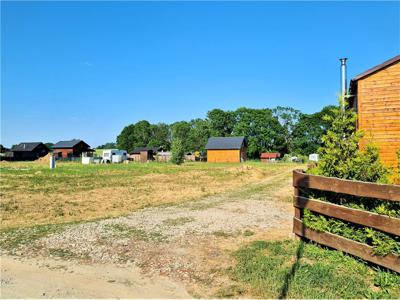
(269, 157)
(143, 154)
(69, 149)
(27, 151)
(226, 149)
(375, 94)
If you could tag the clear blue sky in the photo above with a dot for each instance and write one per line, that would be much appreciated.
(87, 69)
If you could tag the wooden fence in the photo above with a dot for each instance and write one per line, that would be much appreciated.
(356, 188)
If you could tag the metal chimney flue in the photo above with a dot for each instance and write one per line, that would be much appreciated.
(343, 79)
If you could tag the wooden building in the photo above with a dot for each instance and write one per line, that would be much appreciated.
(226, 149)
(69, 149)
(143, 154)
(269, 157)
(375, 94)
(27, 151)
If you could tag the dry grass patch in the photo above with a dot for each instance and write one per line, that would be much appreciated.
(32, 194)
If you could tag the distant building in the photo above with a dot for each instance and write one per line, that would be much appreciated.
(27, 151)
(143, 154)
(226, 149)
(269, 157)
(375, 94)
(69, 149)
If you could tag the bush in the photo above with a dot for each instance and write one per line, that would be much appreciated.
(341, 156)
(178, 152)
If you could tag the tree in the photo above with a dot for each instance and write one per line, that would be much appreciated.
(340, 154)
(181, 131)
(221, 122)
(288, 117)
(134, 135)
(107, 146)
(198, 135)
(308, 131)
(178, 152)
(160, 136)
(262, 129)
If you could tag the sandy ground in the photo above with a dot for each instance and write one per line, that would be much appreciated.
(49, 278)
(164, 252)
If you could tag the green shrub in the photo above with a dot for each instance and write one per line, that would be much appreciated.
(341, 156)
(178, 152)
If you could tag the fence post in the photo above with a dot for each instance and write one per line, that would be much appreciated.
(297, 211)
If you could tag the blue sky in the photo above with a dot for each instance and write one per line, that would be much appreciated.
(87, 69)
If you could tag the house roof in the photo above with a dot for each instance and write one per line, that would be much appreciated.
(140, 149)
(270, 155)
(377, 68)
(67, 144)
(225, 143)
(30, 146)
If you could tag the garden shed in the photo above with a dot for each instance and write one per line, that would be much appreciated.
(143, 154)
(269, 157)
(375, 94)
(226, 149)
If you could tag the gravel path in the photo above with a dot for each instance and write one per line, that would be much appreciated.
(188, 243)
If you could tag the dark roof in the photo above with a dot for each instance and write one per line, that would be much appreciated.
(140, 149)
(234, 142)
(67, 144)
(26, 146)
(377, 68)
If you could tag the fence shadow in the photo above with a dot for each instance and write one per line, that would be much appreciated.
(290, 275)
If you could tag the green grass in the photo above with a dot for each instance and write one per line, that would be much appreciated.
(178, 221)
(12, 239)
(124, 231)
(289, 269)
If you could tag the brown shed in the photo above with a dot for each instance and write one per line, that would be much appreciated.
(226, 149)
(375, 94)
(143, 154)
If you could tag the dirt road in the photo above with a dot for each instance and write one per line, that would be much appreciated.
(164, 252)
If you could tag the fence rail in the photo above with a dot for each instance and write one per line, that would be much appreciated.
(362, 189)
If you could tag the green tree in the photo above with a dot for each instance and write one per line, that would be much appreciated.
(181, 131)
(288, 117)
(307, 133)
(160, 136)
(262, 129)
(198, 135)
(221, 122)
(107, 146)
(134, 135)
(340, 154)
(178, 152)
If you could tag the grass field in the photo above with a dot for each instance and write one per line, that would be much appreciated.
(32, 194)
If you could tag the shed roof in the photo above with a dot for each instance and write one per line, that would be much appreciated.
(67, 144)
(30, 146)
(226, 143)
(270, 155)
(377, 68)
(140, 149)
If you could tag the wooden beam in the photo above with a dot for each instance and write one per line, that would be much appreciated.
(350, 187)
(363, 251)
(357, 216)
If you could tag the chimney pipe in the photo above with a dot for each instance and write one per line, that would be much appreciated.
(343, 79)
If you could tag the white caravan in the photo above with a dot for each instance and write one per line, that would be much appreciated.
(114, 156)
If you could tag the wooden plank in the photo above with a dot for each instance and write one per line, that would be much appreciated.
(363, 251)
(350, 187)
(357, 216)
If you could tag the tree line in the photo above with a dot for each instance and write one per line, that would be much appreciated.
(281, 129)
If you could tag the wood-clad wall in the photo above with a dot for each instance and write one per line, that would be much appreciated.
(223, 155)
(378, 101)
